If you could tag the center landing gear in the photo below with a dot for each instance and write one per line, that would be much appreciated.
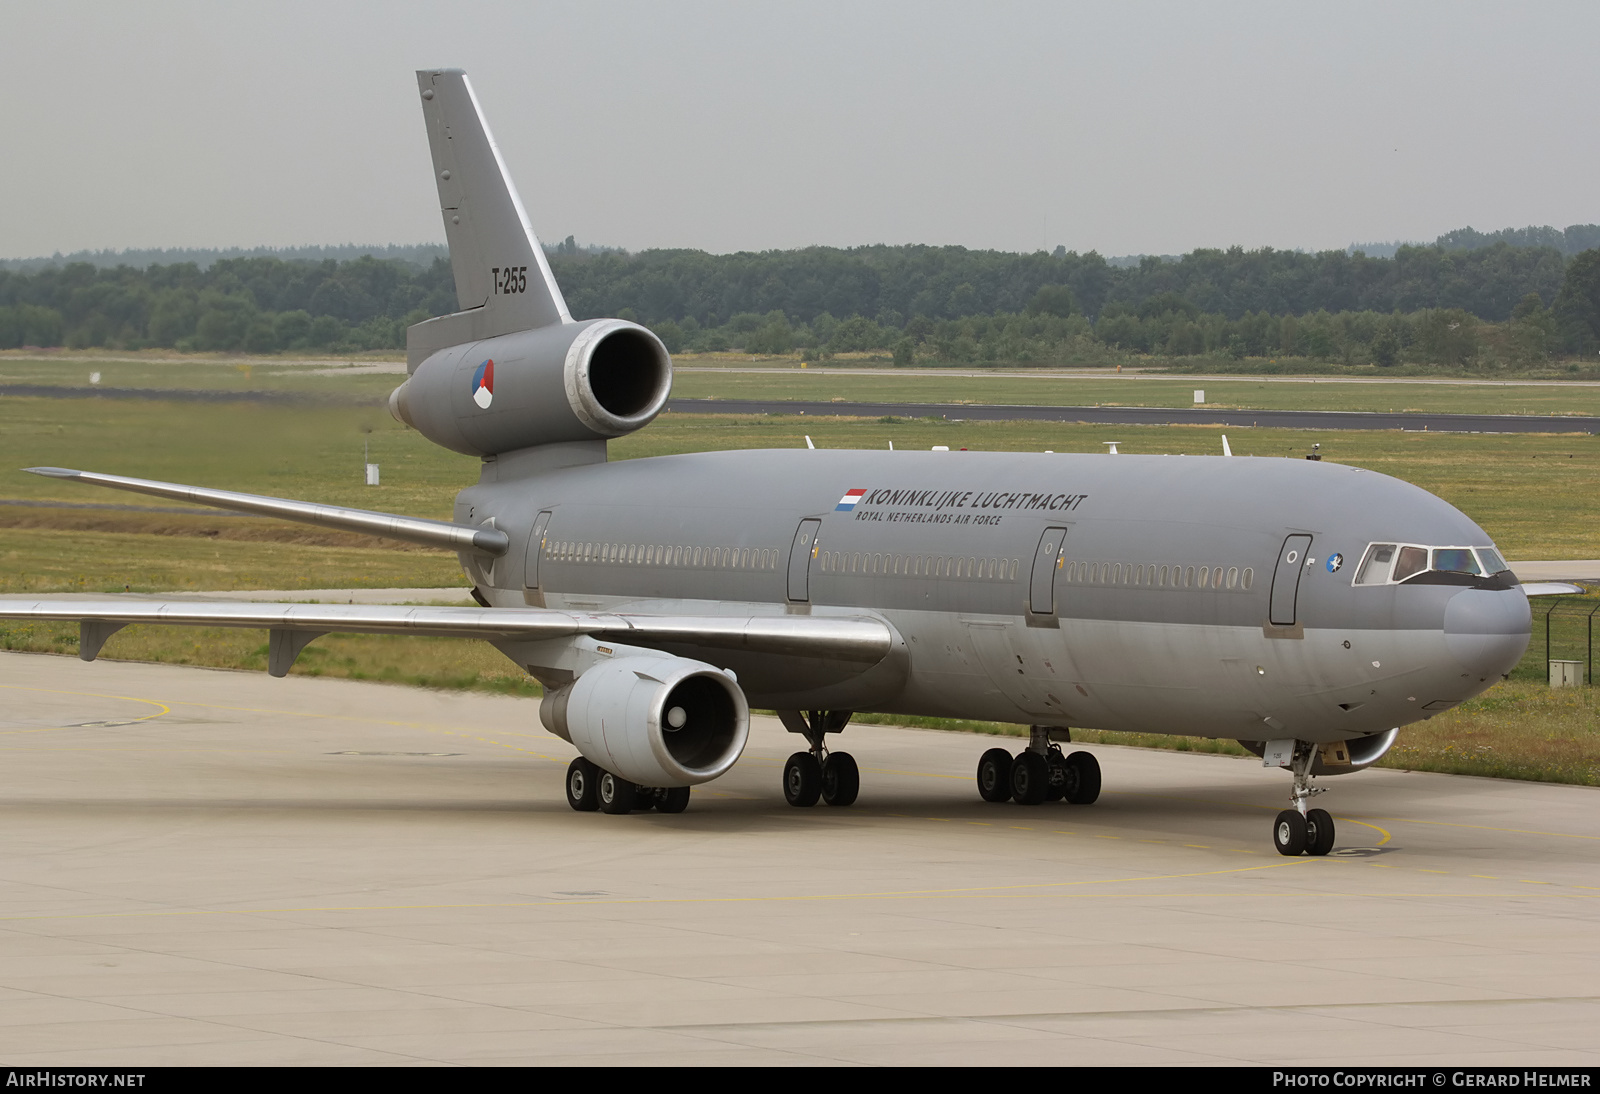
(1040, 772)
(590, 787)
(1302, 831)
(818, 773)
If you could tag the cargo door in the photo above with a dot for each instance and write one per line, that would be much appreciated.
(530, 569)
(800, 553)
(1046, 561)
(1286, 579)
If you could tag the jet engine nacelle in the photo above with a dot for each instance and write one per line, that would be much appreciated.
(565, 382)
(656, 721)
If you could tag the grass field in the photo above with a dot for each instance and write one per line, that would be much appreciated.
(354, 379)
(1538, 495)
(1144, 390)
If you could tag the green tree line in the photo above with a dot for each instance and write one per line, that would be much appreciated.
(1494, 304)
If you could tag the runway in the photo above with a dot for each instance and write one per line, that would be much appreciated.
(208, 867)
(1153, 415)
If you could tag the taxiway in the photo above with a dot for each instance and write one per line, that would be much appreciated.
(216, 867)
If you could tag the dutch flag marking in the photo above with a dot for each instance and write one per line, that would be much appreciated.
(848, 502)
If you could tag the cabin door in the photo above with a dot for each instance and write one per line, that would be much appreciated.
(1046, 561)
(530, 570)
(1286, 579)
(805, 545)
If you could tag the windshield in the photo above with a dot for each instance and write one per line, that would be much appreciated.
(1456, 560)
(1391, 563)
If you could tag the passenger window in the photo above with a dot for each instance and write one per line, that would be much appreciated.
(1188, 577)
(1374, 569)
(1412, 561)
(1455, 560)
(1247, 578)
(1233, 576)
(1205, 574)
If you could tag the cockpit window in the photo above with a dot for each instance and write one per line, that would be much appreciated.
(1413, 560)
(1374, 569)
(1456, 560)
(1391, 563)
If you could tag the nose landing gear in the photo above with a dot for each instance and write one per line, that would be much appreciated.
(1298, 830)
(817, 773)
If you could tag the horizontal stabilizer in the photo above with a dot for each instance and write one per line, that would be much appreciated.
(431, 533)
(858, 639)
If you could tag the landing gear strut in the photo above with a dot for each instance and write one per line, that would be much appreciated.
(1299, 830)
(818, 773)
(1040, 772)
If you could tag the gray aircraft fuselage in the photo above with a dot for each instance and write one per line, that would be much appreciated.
(1119, 592)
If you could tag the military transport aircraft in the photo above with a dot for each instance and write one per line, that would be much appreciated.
(1302, 608)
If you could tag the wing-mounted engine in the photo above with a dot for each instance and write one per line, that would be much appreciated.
(654, 720)
(566, 382)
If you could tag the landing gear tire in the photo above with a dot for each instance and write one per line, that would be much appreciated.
(1030, 778)
(616, 794)
(583, 780)
(674, 799)
(1083, 778)
(1319, 832)
(994, 775)
(841, 779)
(802, 780)
(1289, 833)
(1058, 779)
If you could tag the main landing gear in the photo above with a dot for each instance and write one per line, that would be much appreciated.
(590, 787)
(1040, 772)
(1302, 831)
(818, 773)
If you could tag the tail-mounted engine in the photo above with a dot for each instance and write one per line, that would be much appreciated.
(564, 382)
(656, 721)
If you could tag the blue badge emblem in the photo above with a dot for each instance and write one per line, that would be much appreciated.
(1334, 562)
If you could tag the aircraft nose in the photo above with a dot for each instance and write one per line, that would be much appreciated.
(1487, 629)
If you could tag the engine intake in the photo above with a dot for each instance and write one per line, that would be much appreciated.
(569, 382)
(656, 721)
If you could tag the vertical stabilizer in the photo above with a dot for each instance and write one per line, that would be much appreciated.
(503, 283)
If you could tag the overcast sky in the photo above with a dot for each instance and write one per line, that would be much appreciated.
(1120, 127)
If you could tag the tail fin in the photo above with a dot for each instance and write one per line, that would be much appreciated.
(503, 283)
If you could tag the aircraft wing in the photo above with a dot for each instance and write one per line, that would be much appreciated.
(490, 542)
(1550, 588)
(864, 640)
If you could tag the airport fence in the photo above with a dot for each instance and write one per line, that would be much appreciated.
(1563, 630)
